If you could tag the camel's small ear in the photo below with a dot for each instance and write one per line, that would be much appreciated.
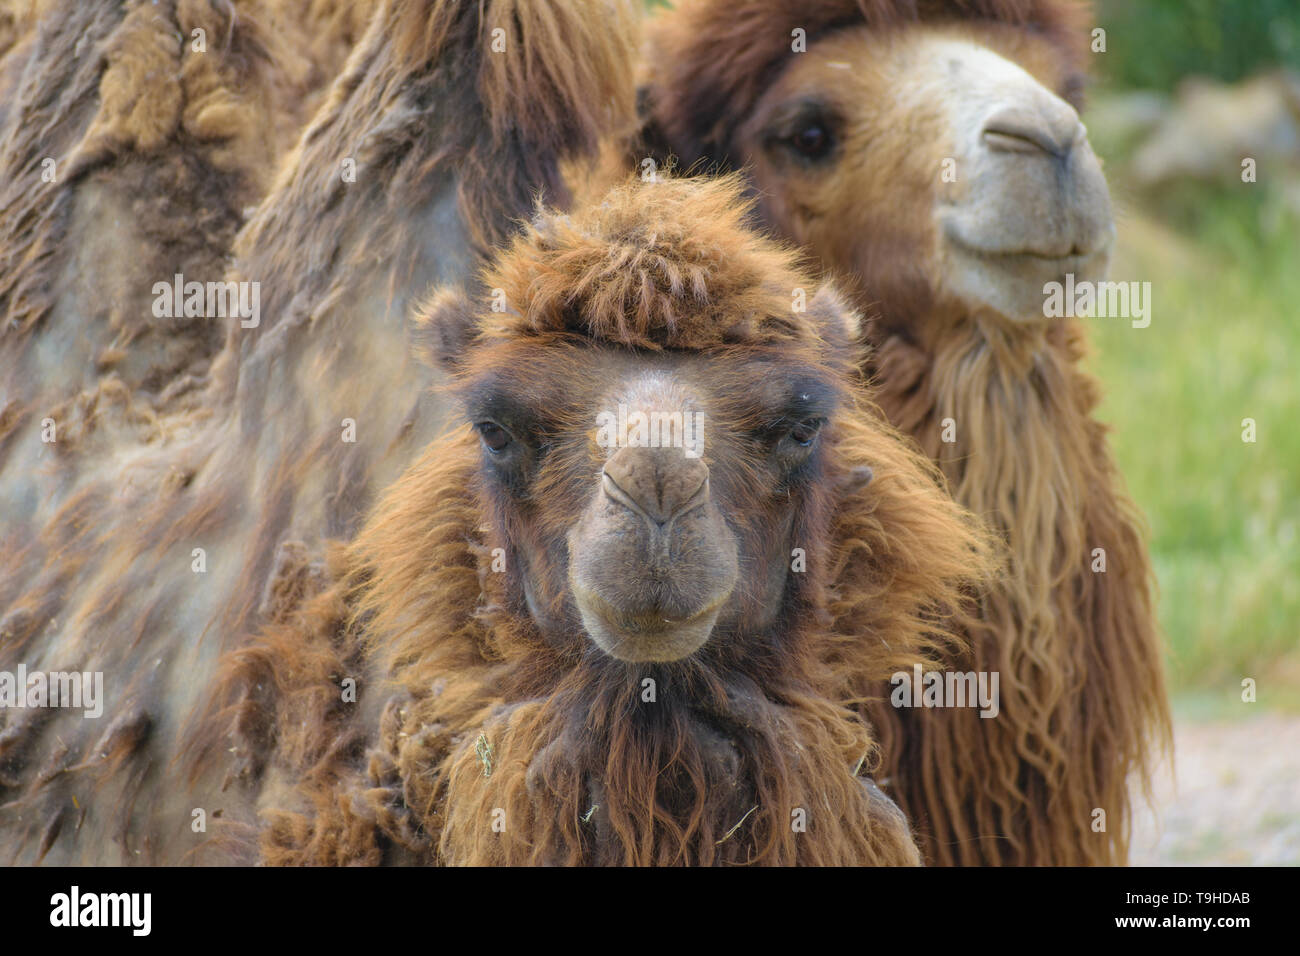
(856, 479)
(445, 327)
(838, 322)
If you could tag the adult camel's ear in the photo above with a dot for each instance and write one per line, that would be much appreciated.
(649, 141)
(444, 328)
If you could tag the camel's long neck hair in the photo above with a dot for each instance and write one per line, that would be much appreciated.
(733, 777)
(1082, 693)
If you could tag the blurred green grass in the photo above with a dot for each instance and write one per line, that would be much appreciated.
(1153, 44)
(1223, 345)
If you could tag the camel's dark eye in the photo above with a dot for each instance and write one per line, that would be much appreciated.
(812, 140)
(494, 437)
(804, 433)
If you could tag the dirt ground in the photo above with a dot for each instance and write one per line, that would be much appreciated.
(1236, 800)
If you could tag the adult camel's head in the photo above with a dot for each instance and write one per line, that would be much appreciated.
(933, 150)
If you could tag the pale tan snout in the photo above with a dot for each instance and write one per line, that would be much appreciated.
(1029, 202)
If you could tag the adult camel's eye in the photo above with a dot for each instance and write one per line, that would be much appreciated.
(812, 140)
(494, 437)
(806, 431)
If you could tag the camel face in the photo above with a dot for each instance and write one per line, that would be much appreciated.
(935, 163)
(639, 485)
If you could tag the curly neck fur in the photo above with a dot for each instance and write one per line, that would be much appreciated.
(1005, 411)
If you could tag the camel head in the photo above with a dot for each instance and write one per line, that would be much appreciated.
(656, 421)
(936, 156)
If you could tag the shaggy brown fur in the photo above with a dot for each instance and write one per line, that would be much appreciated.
(18, 20)
(254, 469)
(156, 151)
(472, 706)
(1080, 663)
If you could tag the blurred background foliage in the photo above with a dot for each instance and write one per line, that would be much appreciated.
(1152, 44)
(1187, 90)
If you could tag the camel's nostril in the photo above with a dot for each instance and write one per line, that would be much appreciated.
(1018, 130)
(660, 483)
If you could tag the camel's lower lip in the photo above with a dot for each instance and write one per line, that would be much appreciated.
(1050, 263)
(644, 628)
(1015, 282)
(644, 637)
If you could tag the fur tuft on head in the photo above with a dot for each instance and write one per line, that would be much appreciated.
(657, 265)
